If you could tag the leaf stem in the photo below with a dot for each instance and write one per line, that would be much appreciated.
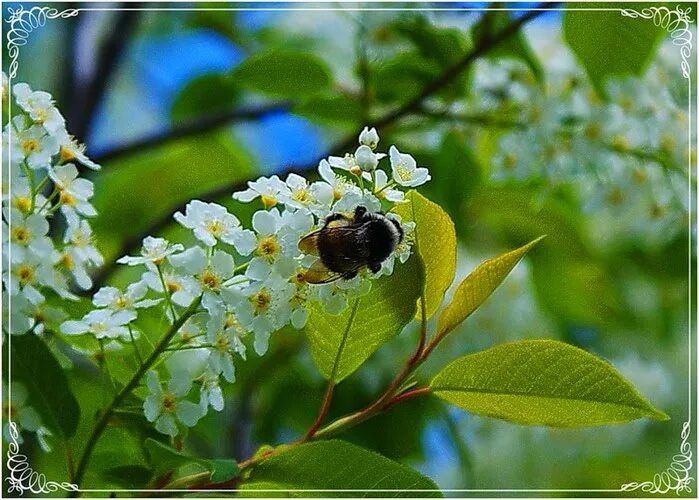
(323, 412)
(106, 414)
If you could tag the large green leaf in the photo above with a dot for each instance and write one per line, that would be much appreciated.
(204, 96)
(478, 286)
(287, 73)
(542, 382)
(165, 459)
(314, 469)
(49, 393)
(331, 109)
(403, 76)
(435, 241)
(341, 343)
(515, 46)
(607, 43)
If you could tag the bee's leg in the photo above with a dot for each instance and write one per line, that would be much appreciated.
(359, 213)
(349, 275)
(374, 267)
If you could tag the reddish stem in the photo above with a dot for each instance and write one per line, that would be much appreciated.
(406, 395)
(325, 407)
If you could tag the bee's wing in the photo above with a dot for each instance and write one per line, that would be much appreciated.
(309, 243)
(319, 273)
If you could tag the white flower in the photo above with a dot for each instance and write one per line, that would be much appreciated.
(154, 250)
(74, 191)
(386, 193)
(27, 316)
(39, 105)
(340, 185)
(262, 307)
(21, 195)
(348, 163)
(23, 415)
(369, 137)
(72, 262)
(366, 159)
(316, 197)
(71, 150)
(79, 236)
(182, 289)
(28, 276)
(165, 408)
(225, 334)
(271, 251)
(268, 189)
(31, 143)
(25, 235)
(102, 323)
(405, 169)
(211, 274)
(211, 222)
(210, 393)
(116, 300)
(353, 199)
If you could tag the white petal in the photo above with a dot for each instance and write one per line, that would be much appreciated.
(188, 413)
(151, 408)
(166, 424)
(264, 223)
(74, 327)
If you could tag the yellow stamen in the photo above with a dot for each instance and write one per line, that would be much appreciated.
(268, 246)
(261, 301)
(21, 235)
(23, 204)
(268, 201)
(67, 199)
(210, 280)
(25, 274)
(29, 146)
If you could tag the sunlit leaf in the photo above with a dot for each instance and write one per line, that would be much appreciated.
(50, 395)
(542, 382)
(285, 73)
(341, 343)
(607, 43)
(435, 241)
(333, 465)
(478, 286)
(204, 96)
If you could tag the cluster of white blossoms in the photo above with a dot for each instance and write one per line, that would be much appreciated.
(41, 180)
(15, 405)
(627, 155)
(245, 283)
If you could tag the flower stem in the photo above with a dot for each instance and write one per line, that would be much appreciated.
(106, 414)
(135, 347)
(325, 406)
(166, 292)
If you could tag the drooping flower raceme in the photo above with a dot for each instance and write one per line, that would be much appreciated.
(42, 183)
(250, 283)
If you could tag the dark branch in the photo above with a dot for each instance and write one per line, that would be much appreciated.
(108, 59)
(411, 107)
(192, 128)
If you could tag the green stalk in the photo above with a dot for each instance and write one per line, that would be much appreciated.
(106, 415)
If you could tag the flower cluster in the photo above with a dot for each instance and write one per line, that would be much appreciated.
(246, 283)
(626, 155)
(15, 405)
(42, 180)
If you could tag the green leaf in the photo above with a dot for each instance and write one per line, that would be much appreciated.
(403, 76)
(330, 109)
(165, 459)
(607, 43)
(515, 46)
(435, 242)
(336, 465)
(542, 382)
(204, 96)
(341, 343)
(478, 286)
(286, 73)
(49, 393)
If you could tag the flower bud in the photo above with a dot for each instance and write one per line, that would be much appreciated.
(366, 159)
(369, 137)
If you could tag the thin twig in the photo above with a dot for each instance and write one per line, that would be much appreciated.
(192, 127)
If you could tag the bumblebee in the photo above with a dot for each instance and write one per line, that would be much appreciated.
(345, 245)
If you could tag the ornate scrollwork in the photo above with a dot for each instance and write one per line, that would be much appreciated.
(676, 22)
(22, 22)
(21, 475)
(676, 477)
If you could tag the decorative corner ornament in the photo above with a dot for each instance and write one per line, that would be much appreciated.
(22, 22)
(676, 22)
(22, 477)
(676, 477)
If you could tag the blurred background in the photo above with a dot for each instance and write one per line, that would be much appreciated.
(575, 127)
